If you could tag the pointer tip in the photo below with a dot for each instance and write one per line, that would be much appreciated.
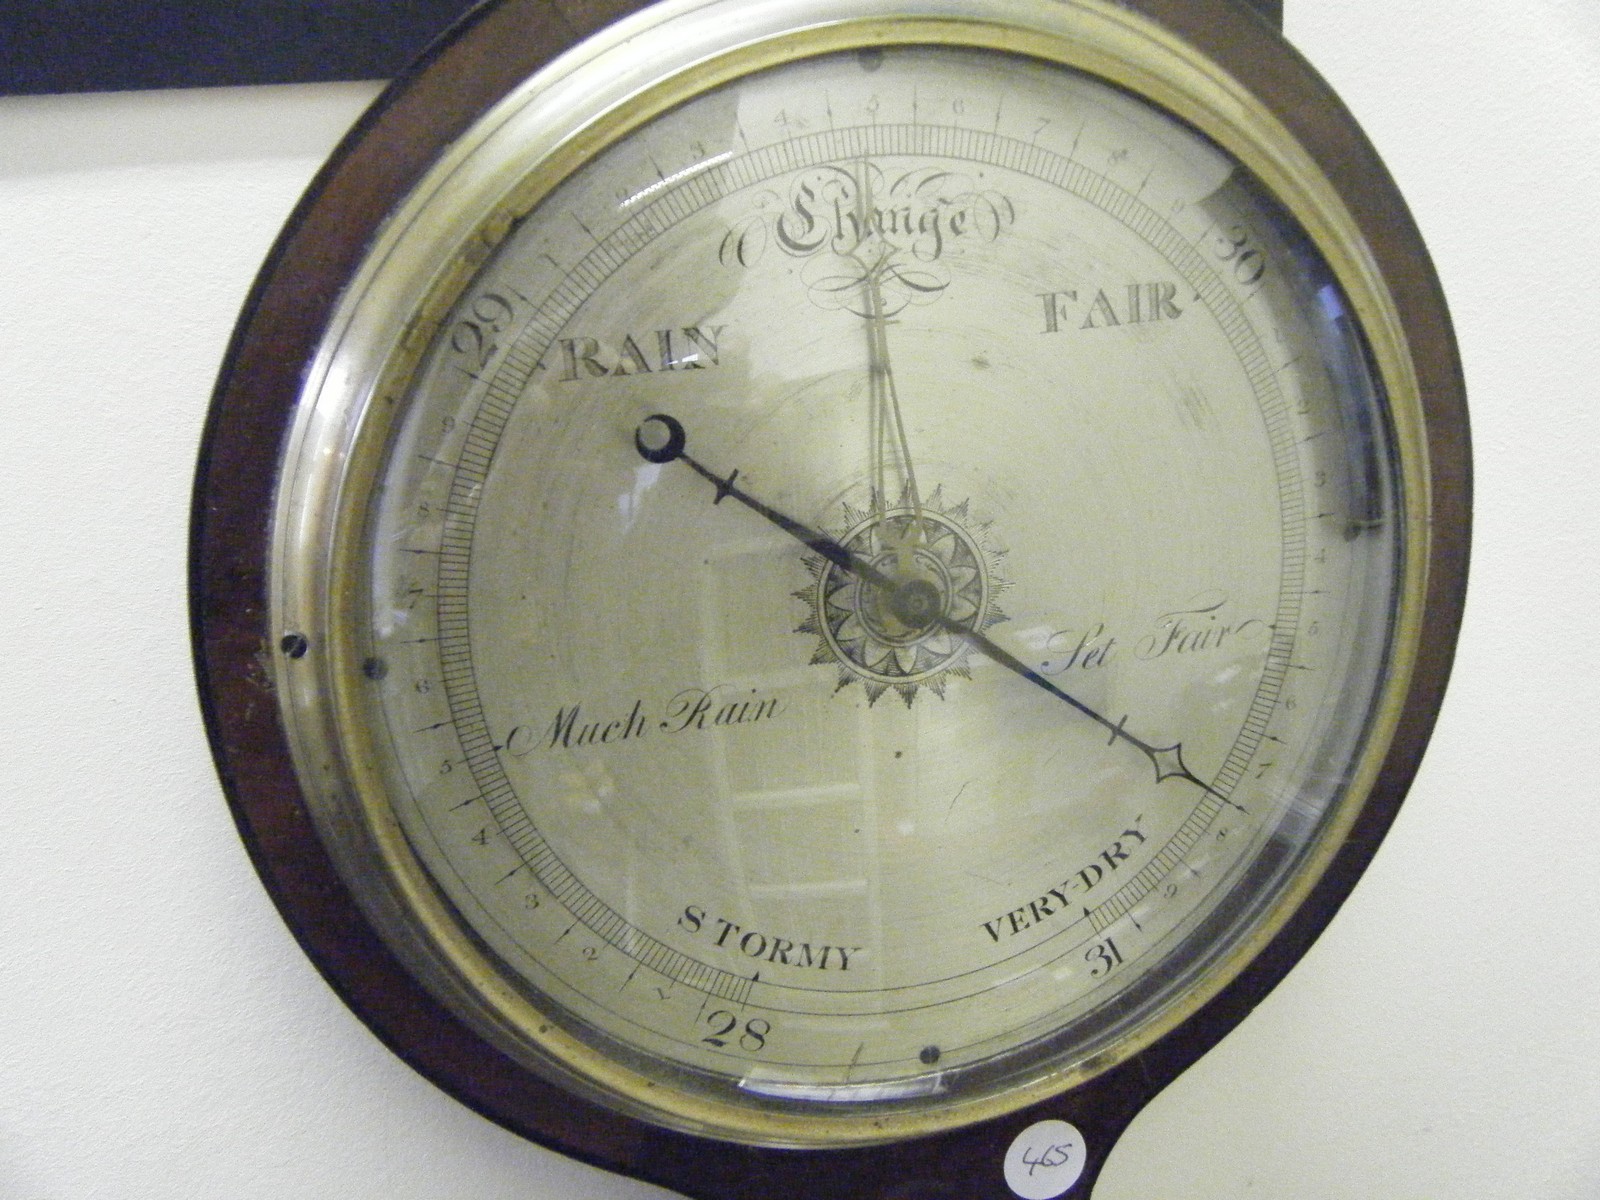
(659, 439)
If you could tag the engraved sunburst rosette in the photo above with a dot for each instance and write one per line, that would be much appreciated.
(904, 648)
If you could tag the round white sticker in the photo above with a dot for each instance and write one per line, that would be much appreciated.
(1046, 1159)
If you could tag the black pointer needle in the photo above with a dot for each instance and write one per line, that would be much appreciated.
(661, 439)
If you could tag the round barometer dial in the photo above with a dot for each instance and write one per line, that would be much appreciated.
(837, 573)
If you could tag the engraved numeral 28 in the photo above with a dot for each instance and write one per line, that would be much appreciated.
(724, 1025)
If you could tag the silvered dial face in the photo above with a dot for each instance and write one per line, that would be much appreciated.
(872, 590)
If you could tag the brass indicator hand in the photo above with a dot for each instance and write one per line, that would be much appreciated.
(886, 427)
(915, 601)
(886, 417)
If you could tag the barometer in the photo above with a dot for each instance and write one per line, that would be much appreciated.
(813, 597)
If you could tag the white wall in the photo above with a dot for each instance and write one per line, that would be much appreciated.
(161, 1036)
